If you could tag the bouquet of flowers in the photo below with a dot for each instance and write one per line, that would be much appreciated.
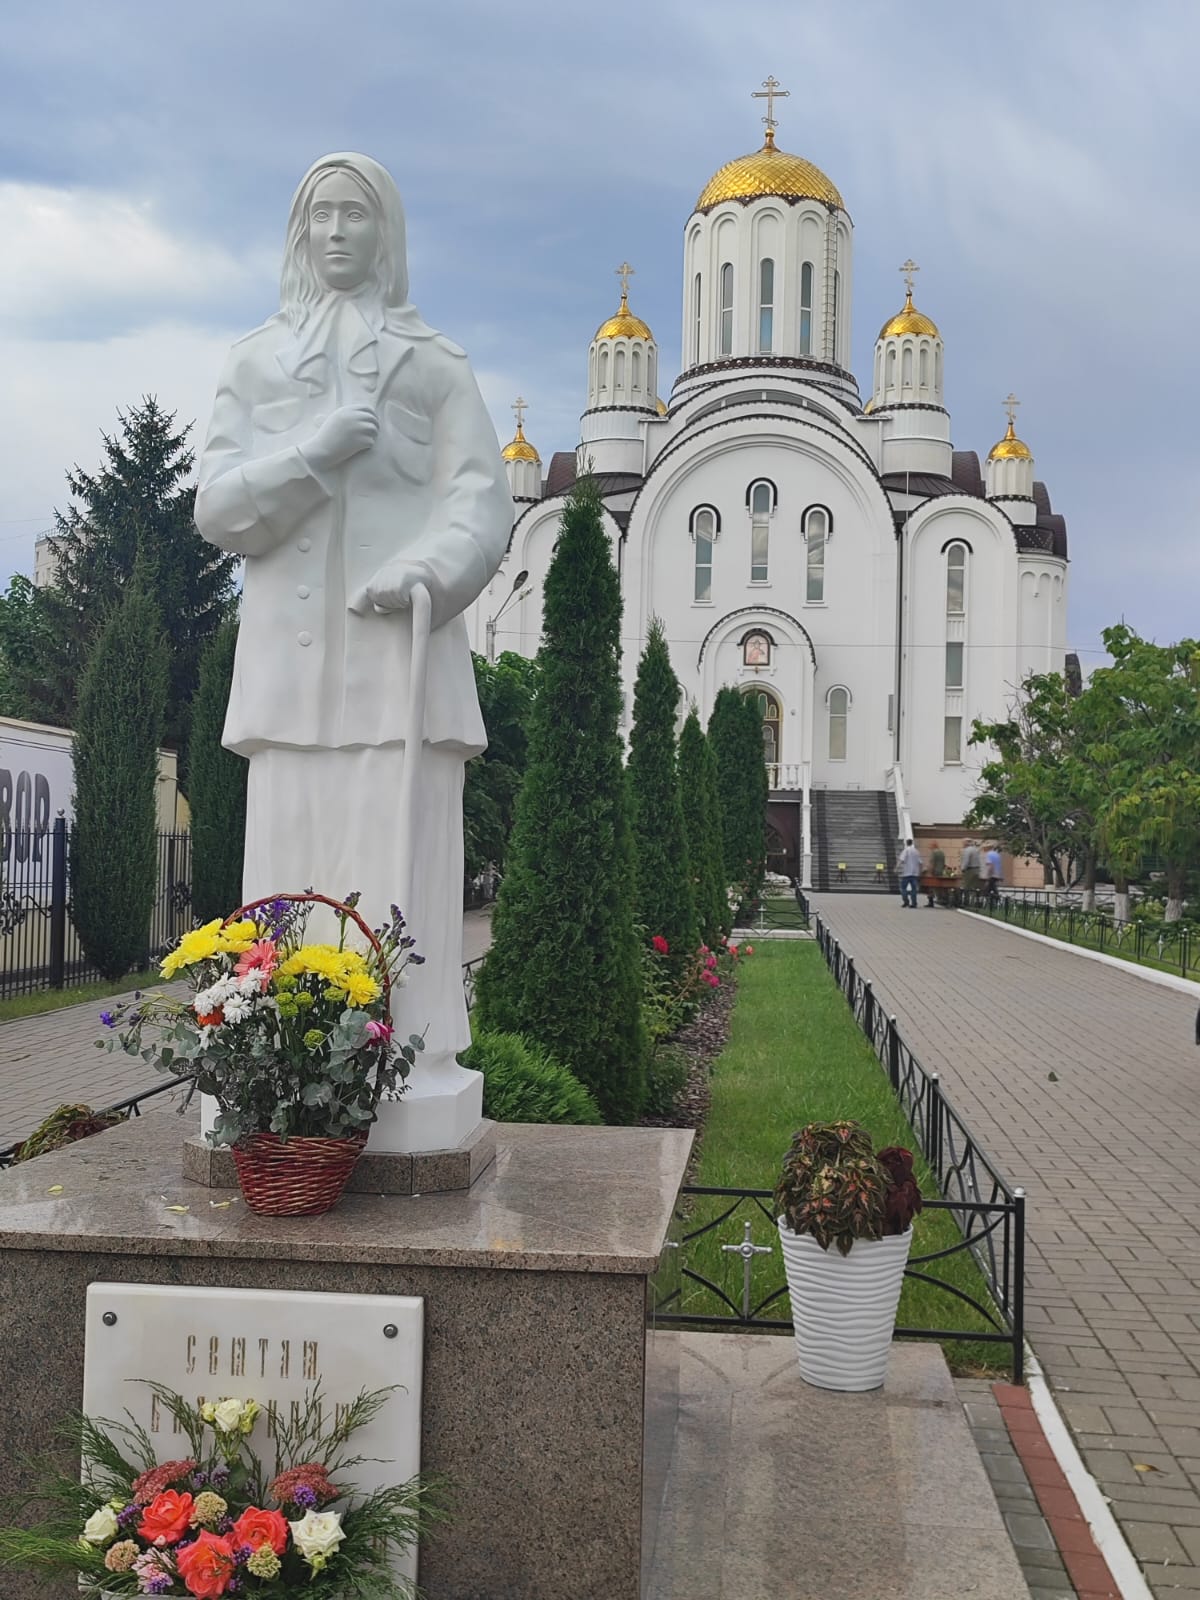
(218, 1522)
(289, 1037)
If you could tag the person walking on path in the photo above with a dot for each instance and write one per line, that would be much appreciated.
(970, 866)
(909, 868)
(993, 873)
(937, 869)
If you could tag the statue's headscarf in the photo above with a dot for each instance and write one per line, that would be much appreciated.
(311, 310)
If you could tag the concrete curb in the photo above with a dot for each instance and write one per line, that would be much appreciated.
(1166, 979)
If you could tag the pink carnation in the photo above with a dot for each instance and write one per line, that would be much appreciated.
(378, 1032)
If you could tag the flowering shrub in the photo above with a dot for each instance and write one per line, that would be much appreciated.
(289, 1037)
(215, 1523)
(670, 993)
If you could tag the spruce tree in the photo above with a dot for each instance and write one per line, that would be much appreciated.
(137, 509)
(564, 965)
(702, 825)
(217, 786)
(664, 901)
(114, 840)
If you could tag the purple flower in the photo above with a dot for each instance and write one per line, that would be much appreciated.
(219, 1478)
(304, 1497)
(199, 1480)
(107, 1018)
(130, 1514)
(160, 1584)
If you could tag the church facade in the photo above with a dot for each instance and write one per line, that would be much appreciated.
(875, 588)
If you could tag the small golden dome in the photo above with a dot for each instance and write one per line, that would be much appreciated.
(662, 408)
(1010, 447)
(869, 407)
(768, 171)
(624, 325)
(519, 448)
(910, 320)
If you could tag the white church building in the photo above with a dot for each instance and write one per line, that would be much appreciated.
(874, 587)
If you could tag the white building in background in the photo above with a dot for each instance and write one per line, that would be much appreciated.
(876, 588)
(45, 563)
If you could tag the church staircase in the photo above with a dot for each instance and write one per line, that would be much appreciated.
(854, 831)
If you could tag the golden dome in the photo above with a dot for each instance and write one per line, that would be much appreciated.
(624, 325)
(662, 407)
(910, 320)
(519, 448)
(768, 171)
(1010, 447)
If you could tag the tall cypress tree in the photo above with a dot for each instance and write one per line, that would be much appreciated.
(757, 793)
(217, 786)
(726, 737)
(702, 824)
(114, 840)
(664, 900)
(564, 967)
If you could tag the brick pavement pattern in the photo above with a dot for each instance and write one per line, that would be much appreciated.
(1107, 1150)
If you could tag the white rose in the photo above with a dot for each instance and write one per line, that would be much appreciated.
(101, 1526)
(317, 1534)
(227, 1414)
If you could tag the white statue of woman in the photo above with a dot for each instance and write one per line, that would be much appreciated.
(349, 459)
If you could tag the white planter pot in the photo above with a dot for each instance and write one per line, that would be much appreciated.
(844, 1307)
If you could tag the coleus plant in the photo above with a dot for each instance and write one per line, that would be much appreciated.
(836, 1187)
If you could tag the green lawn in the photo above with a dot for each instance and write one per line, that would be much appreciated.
(32, 1005)
(1086, 939)
(778, 911)
(796, 1055)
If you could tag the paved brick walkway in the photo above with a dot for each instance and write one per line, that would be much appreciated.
(1084, 1083)
(52, 1060)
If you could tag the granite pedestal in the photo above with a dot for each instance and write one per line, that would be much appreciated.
(539, 1366)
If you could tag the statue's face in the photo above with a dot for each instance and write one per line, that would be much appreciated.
(343, 232)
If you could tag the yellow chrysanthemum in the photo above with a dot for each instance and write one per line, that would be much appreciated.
(239, 936)
(360, 988)
(198, 945)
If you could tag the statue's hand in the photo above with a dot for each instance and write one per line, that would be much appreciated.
(392, 586)
(348, 432)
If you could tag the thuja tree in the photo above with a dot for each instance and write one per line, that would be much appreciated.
(735, 729)
(218, 786)
(564, 965)
(664, 900)
(758, 792)
(118, 729)
(702, 825)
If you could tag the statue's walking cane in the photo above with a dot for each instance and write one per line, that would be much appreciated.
(414, 741)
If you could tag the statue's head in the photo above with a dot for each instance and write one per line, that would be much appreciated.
(345, 231)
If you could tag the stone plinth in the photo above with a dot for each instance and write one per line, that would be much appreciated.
(535, 1286)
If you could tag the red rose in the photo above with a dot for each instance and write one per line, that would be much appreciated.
(256, 1528)
(207, 1566)
(660, 944)
(167, 1518)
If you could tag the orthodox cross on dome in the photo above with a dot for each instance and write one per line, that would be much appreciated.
(625, 272)
(520, 407)
(909, 270)
(1010, 405)
(770, 92)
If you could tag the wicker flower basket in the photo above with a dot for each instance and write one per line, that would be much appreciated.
(300, 1176)
(297, 1177)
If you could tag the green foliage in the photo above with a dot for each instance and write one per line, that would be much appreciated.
(735, 731)
(664, 901)
(666, 1077)
(25, 643)
(836, 1188)
(506, 689)
(563, 967)
(217, 786)
(702, 825)
(137, 510)
(114, 841)
(64, 1125)
(521, 1083)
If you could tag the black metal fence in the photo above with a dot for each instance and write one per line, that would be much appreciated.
(39, 946)
(1173, 946)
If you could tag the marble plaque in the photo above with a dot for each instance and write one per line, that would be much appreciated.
(272, 1346)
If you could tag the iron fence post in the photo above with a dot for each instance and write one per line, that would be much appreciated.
(850, 977)
(868, 1009)
(1018, 1315)
(933, 1126)
(893, 1051)
(58, 904)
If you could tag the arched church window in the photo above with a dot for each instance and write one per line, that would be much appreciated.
(766, 302)
(816, 535)
(756, 650)
(924, 366)
(619, 381)
(891, 368)
(704, 532)
(956, 580)
(592, 374)
(839, 716)
(761, 499)
(637, 369)
(906, 367)
(650, 374)
(772, 721)
(937, 370)
(725, 343)
(806, 308)
(604, 368)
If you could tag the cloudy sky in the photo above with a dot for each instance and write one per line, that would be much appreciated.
(1037, 159)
